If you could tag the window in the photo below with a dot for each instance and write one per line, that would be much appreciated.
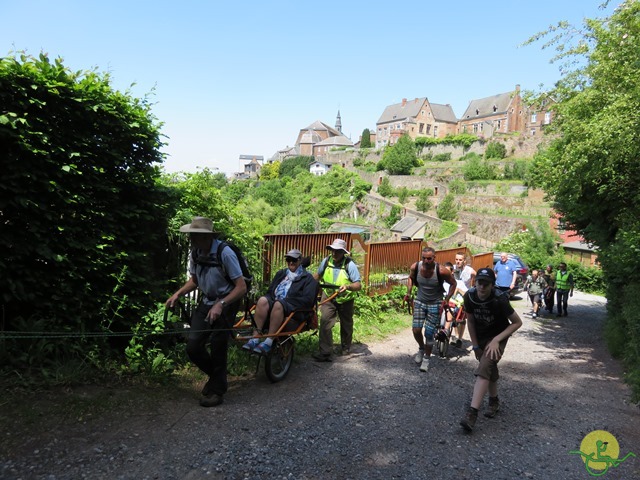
(421, 128)
(499, 124)
(534, 117)
(533, 132)
(428, 128)
(547, 118)
(435, 130)
(475, 128)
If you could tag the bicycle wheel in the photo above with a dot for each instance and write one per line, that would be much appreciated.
(278, 361)
(443, 346)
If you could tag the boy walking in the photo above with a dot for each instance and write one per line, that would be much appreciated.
(491, 320)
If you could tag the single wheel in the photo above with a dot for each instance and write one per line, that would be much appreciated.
(278, 361)
(444, 346)
(442, 343)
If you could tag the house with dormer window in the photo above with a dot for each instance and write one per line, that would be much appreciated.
(415, 118)
(501, 113)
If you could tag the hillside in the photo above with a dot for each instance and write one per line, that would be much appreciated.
(489, 210)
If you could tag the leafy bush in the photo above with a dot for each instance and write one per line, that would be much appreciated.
(393, 217)
(399, 159)
(292, 166)
(385, 189)
(423, 203)
(464, 140)
(84, 217)
(447, 229)
(448, 208)
(477, 169)
(403, 194)
(495, 150)
(457, 186)
(442, 157)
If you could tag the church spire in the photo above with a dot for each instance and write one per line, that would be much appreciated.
(339, 122)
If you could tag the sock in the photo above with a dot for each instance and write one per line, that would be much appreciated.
(268, 341)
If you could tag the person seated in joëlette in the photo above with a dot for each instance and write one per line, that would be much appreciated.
(292, 289)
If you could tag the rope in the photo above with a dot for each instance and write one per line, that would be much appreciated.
(10, 335)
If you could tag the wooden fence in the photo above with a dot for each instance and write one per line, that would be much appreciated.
(382, 264)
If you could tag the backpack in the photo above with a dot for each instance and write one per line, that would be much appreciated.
(414, 278)
(242, 260)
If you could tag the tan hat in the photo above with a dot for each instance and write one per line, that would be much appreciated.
(338, 244)
(198, 225)
(295, 253)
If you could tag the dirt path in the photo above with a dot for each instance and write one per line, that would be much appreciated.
(373, 415)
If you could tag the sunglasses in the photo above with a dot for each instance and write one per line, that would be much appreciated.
(291, 260)
(428, 259)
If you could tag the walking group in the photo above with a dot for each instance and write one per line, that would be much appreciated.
(215, 269)
(547, 286)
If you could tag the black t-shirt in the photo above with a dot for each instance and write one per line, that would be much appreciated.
(491, 315)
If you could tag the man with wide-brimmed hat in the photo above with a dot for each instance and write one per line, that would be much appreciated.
(223, 287)
(342, 273)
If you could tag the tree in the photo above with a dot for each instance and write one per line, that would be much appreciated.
(591, 170)
(84, 216)
(366, 139)
(399, 159)
(403, 194)
(385, 189)
(270, 171)
(292, 166)
(423, 203)
(448, 209)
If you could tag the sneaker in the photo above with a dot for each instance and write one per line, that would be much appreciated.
(424, 366)
(321, 357)
(212, 400)
(263, 348)
(534, 315)
(469, 420)
(458, 343)
(345, 350)
(418, 357)
(492, 409)
(251, 344)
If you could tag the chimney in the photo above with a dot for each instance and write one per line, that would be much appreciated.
(404, 102)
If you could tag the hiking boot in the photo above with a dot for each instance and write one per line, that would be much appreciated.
(492, 409)
(321, 357)
(208, 388)
(469, 419)
(424, 366)
(418, 356)
(212, 400)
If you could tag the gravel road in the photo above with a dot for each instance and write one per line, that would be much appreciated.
(372, 415)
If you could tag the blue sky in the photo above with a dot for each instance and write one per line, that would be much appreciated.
(232, 78)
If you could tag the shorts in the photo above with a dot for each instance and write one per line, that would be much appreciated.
(488, 368)
(296, 320)
(535, 298)
(426, 315)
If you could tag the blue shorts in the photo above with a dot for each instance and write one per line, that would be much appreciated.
(426, 315)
